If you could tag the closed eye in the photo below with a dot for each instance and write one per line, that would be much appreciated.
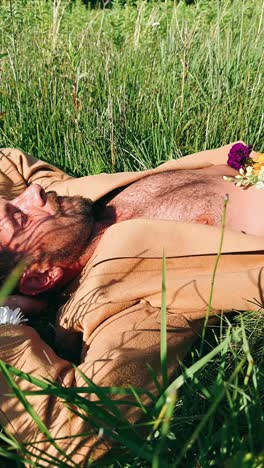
(20, 219)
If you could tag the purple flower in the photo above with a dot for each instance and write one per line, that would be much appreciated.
(238, 156)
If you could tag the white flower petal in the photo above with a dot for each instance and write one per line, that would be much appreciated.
(249, 170)
(10, 316)
(259, 185)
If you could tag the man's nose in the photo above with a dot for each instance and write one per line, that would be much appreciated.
(33, 197)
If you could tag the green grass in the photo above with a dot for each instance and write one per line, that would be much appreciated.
(128, 88)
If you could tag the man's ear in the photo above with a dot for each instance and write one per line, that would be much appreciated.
(37, 282)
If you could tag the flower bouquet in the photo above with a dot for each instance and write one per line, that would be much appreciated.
(251, 169)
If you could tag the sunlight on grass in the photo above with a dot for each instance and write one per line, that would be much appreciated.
(127, 88)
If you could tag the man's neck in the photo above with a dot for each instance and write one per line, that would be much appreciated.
(106, 215)
(73, 270)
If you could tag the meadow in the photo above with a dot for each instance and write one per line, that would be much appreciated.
(127, 88)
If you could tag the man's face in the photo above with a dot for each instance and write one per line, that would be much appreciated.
(45, 226)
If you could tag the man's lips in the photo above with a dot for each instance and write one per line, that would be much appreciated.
(61, 205)
(64, 204)
(69, 206)
(54, 201)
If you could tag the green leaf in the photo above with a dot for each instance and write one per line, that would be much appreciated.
(163, 331)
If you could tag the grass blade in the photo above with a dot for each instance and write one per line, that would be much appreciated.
(163, 330)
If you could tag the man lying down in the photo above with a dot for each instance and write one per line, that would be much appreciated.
(99, 241)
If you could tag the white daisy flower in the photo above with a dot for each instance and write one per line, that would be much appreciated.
(10, 316)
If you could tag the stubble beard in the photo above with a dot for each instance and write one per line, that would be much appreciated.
(76, 217)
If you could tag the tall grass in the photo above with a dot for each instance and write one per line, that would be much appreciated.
(127, 88)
